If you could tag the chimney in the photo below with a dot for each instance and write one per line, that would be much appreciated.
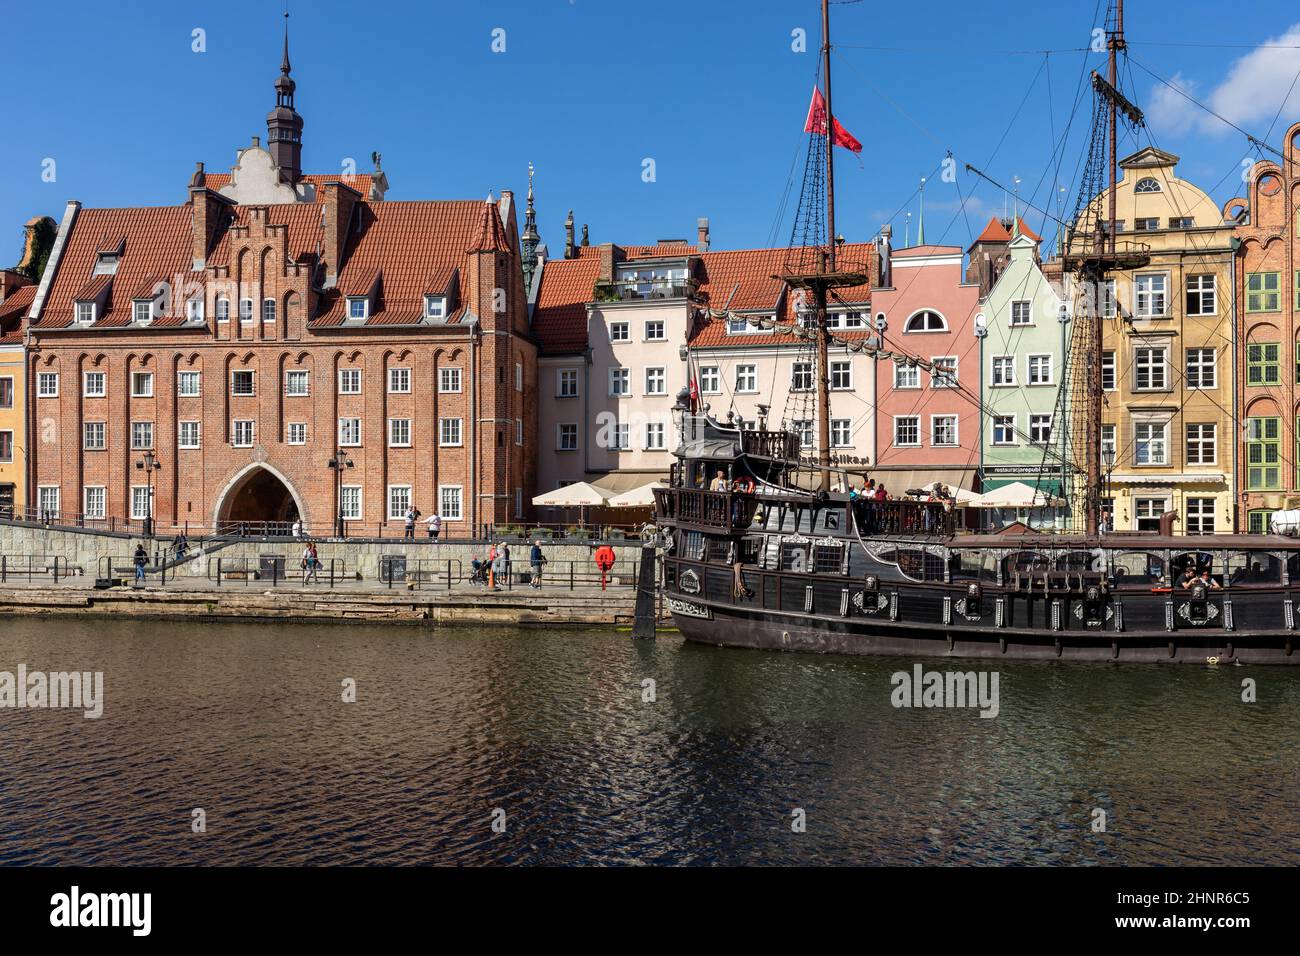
(10, 281)
(884, 249)
(208, 217)
(568, 236)
(702, 233)
(340, 201)
(609, 255)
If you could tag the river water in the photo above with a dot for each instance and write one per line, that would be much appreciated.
(551, 731)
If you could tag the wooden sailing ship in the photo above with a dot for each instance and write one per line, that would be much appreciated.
(757, 555)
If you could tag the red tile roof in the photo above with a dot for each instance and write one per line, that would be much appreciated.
(361, 182)
(996, 231)
(12, 309)
(157, 242)
(491, 232)
(560, 314)
(93, 288)
(743, 281)
(419, 246)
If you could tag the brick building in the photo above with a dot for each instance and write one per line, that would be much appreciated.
(272, 325)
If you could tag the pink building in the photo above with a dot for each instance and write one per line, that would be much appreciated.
(927, 427)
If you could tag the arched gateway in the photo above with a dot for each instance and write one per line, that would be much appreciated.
(258, 494)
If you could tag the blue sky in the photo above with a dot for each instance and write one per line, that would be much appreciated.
(589, 89)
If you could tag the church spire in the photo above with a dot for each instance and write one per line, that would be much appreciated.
(283, 124)
(530, 240)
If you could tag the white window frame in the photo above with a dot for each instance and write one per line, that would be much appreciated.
(189, 441)
(660, 440)
(565, 377)
(449, 380)
(136, 377)
(1200, 290)
(94, 512)
(1144, 300)
(620, 382)
(84, 313)
(1006, 364)
(1212, 366)
(447, 512)
(48, 499)
(907, 326)
(268, 305)
(399, 513)
(624, 332)
(399, 381)
(842, 367)
(295, 374)
(47, 384)
(1153, 443)
(235, 429)
(102, 434)
(182, 378)
(841, 433)
(911, 371)
(710, 380)
(949, 365)
(394, 428)
(435, 307)
(747, 373)
(656, 385)
(289, 433)
(363, 302)
(1202, 443)
(1043, 361)
(1036, 420)
(142, 310)
(916, 424)
(1139, 363)
(934, 431)
(349, 377)
(560, 433)
(246, 310)
(1021, 314)
(446, 426)
(140, 495)
(252, 383)
(146, 426)
(102, 377)
(345, 499)
(346, 423)
(1010, 431)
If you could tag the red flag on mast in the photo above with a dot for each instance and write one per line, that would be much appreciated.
(816, 123)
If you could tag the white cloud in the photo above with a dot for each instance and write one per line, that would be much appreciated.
(1250, 94)
(1168, 111)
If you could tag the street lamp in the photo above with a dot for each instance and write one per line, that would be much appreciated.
(149, 464)
(340, 462)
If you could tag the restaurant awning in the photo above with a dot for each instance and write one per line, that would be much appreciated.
(577, 495)
(640, 497)
(1015, 495)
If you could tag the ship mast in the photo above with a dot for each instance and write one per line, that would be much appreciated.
(1093, 265)
(823, 332)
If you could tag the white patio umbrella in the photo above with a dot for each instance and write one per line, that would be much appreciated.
(1015, 495)
(640, 497)
(580, 494)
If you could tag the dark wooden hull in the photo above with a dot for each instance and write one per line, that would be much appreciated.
(732, 625)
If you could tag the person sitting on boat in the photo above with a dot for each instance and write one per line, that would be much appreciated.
(1189, 577)
(719, 482)
(881, 493)
(1208, 581)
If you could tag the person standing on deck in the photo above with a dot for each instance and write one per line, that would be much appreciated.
(434, 523)
(411, 515)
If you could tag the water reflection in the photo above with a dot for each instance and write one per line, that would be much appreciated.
(247, 723)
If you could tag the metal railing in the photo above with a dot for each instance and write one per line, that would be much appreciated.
(33, 566)
(276, 570)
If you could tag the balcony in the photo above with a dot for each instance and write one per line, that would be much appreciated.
(642, 290)
(714, 510)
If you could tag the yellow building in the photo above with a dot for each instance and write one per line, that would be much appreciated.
(1168, 442)
(13, 404)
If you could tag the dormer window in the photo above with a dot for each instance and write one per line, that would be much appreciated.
(435, 307)
(85, 313)
(142, 310)
(358, 308)
(106, 264)
(194, 310)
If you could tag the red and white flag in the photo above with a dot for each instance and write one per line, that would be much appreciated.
(817, 124)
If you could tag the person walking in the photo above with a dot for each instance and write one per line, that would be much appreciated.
(535, 561)
(140, 559)
(310, 564)
(434, 523)
(411, 515)
(505, 554)
(498, 568)
(180, 544)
